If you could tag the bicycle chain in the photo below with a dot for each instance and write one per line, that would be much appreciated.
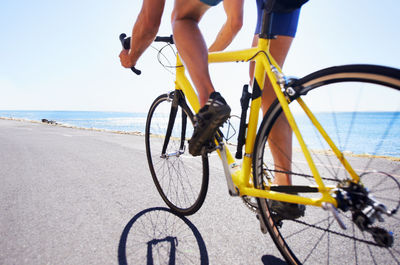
(249, 205)
(336, 233)
(254, 208)
(302, 175)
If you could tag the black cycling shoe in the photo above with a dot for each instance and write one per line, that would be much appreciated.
(207, 121)
(285, 211)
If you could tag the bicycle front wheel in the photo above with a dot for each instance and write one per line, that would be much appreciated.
(359, 107)
(180, 178)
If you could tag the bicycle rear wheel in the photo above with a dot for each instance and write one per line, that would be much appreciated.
(359, 107)
(180, 178)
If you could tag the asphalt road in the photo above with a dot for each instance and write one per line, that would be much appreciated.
(72, 196)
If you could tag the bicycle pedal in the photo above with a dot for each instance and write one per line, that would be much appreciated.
(278, 221)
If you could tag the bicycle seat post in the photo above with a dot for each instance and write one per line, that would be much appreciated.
(268, 15)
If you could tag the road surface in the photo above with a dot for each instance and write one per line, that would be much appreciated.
(73, 196)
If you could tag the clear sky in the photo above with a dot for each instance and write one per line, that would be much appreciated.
(63, 55)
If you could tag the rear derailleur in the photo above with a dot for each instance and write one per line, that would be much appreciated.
(365, 210)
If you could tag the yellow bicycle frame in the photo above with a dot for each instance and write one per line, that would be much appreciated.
(241, 176)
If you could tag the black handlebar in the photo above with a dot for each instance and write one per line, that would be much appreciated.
(126, 44)
(168, 39)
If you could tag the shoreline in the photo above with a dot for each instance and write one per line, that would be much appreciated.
(328, 152)
(348, 153)
(71, 126)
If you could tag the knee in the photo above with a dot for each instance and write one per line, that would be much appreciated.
(178, 15)
(179, 18)
(191, 10)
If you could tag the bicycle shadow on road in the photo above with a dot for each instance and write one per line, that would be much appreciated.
(156, 235)
(272, 260)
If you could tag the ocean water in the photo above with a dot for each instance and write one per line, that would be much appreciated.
(362, 139)
(374, 133)
(114, 121)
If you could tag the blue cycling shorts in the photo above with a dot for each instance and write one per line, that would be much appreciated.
(284, 24)
(211, 2)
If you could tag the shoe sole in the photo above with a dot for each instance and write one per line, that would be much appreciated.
(289, 213)
(208, 133)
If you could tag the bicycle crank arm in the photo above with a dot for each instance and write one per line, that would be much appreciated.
(263, 227)
(232, 190)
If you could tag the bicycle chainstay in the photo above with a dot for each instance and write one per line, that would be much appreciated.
(253, 206)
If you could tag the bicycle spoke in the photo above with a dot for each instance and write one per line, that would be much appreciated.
(366, 133)
(182, 183)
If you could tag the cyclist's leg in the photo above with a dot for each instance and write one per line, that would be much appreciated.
(281, 134)
(284, 26)
(193, 50)
(188, 38)
(233, 24)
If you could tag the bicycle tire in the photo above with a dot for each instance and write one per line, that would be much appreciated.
(180, 178)
(316, 237)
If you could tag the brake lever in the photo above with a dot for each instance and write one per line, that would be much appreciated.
(126, 44)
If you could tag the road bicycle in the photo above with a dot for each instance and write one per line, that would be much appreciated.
(350, 189)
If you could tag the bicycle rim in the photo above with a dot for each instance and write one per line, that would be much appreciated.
(359, 107)
(180, 178)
